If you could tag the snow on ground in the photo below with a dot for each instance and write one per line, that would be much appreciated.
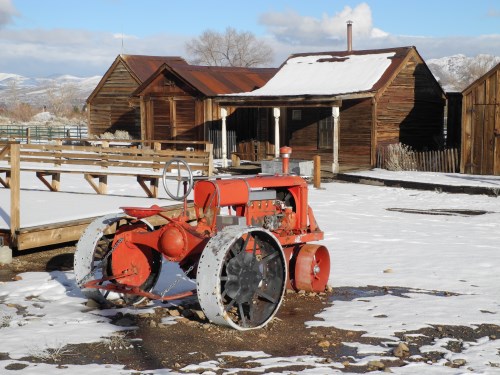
(436, 269)
(454, 179)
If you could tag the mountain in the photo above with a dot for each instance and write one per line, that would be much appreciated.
(456, 72)
(41, 91)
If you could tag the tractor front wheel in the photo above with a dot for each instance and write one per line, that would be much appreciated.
(241, 277)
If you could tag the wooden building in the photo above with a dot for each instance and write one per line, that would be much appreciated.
(481, 125)
(108, 105)
(344, 105)
(176, 101)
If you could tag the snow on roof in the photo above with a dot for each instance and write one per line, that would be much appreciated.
(325, 75)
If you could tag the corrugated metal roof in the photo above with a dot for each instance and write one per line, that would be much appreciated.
(144, 66)
(215, 80)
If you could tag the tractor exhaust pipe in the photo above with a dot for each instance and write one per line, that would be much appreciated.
(285, 152)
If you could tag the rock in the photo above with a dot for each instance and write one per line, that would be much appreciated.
(401, 350)
(324, 344)
(153, 324)
(174, 312)
(375, 365)
(329, 289)
(459, 362)
(17, 278)
(5, 255)
(124, 322)
(199, 314)
(92, 304)
(388, 270)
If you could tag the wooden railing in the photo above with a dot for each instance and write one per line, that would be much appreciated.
(96, 163)
(398, 157)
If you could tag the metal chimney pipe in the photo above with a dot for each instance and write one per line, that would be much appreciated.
(349, 36)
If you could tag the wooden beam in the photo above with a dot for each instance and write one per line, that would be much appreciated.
(152, 189)
(102, 188)
(15, 192)
(54, 184)
(6, 182)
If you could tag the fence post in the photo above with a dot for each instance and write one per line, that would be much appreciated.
(317, 171)
(15, 192)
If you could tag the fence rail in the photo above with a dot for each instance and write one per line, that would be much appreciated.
(400, 157)
(40, 133)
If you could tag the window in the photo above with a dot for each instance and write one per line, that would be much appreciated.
(296, 114)
(325, 129)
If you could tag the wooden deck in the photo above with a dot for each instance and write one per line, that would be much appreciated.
(67, 213)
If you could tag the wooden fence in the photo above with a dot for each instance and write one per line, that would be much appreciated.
(400, 157)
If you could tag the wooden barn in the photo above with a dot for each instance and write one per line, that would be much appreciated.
(344, 105)
(176, 101)
(481, 125)
(108, 105)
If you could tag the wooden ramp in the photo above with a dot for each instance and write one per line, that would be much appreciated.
(70, 231)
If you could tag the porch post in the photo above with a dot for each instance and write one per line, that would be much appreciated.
(336, 133)
(223, 113)
(276, 112)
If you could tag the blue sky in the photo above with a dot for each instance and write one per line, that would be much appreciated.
(42, 38)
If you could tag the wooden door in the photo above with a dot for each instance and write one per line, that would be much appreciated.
(486, 140)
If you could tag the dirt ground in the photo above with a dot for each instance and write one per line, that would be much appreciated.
(193, 339)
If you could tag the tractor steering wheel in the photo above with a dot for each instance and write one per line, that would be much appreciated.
(182, 179)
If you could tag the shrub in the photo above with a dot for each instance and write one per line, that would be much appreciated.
(400, 157)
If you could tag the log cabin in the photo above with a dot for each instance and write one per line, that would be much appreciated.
(108, 107)
(344, 105)
(480, 152)
(176, 102)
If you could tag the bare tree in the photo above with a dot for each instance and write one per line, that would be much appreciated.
(231, 48)
(480, 65)
(61, 98)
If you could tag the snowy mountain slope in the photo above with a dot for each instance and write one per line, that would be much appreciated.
(35, 90)
(456, 72)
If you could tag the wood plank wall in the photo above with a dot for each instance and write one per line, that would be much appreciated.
(109, 110)
(481, 126)
(411, 109)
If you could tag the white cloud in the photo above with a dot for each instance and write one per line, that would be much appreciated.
(7, 12)
(492, 12)
(293, 28)
(39, 53)
(290, 32)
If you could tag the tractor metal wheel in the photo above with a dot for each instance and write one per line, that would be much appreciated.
(312, 268)
(241, 277)
(99, 256)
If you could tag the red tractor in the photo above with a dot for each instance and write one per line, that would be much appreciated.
(248, 243)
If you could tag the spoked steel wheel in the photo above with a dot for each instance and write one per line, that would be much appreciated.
(118, 265)
(241, 277)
